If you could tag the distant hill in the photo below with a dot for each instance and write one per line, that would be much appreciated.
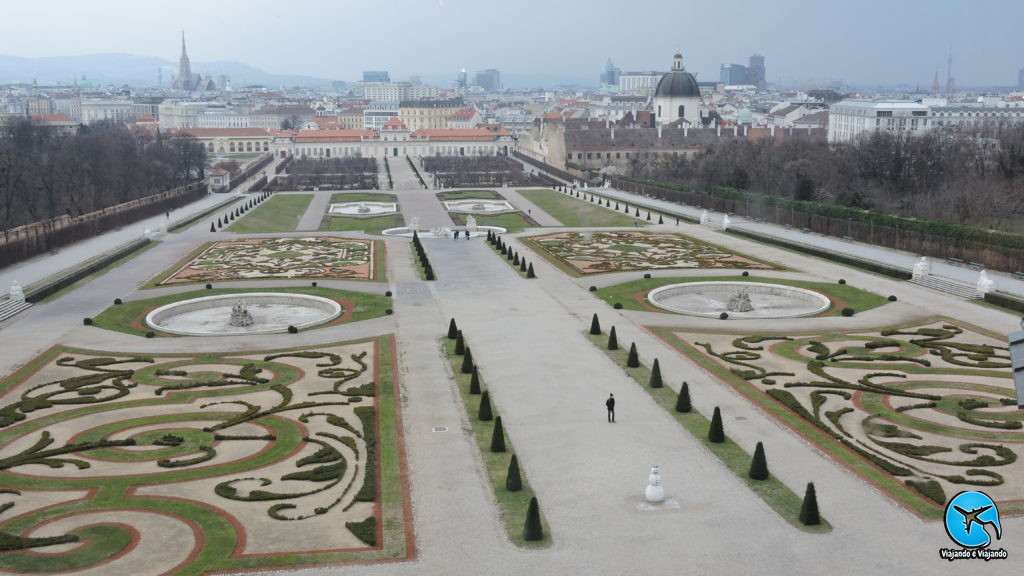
(118, 69)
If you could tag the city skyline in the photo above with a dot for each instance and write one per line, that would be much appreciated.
(433, 38)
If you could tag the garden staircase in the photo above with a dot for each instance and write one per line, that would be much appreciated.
(9, 307)
(954, 287)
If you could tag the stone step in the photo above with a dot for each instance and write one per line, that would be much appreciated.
(957, 288)
(9, 308)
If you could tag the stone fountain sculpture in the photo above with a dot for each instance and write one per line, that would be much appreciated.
(362, 208)
(16, 293)
(739, 302)
(470, 223)
(240, 315)
(985, 284)
(922, 268)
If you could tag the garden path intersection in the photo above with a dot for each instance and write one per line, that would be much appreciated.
(549, 383)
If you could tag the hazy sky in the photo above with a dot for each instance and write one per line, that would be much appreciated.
(865, 42)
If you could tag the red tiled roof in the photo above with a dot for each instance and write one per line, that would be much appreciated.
(325, 122)
(464, 114)
(146, 118)
(394, 124)
(456, 134)
(51, 118)
(315, 136)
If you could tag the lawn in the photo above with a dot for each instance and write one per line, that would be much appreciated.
(130, 316)
(775, 494)
(363, 197)
(512, 221)
(280, 213)
(512, 505)
(632, 294)
(467, 194)
(576, 213)
(371, 225)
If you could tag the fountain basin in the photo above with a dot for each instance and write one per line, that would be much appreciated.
(362, 208)
(479, 232)
(271, 312)
(478, 206)
(709, 299)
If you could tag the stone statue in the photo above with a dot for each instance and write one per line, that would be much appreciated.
(704, 217)
(922, 268)
(586, 186)
(362, 208)
(470, 223)
(147, 233)
(985, 284)
(607, 183)
(414, 224)
(16, 293)
(240, 315)
(478, 206)
(739, 302)
(655, 491)
(725, 222)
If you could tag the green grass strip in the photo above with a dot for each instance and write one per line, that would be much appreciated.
(511, 221)
(279, 213)
(372, 225)
(513, 505)
(470, 194)
(576, 212)
(777, 495)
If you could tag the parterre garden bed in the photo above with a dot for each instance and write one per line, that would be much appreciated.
(923, 410)
(188, 464)
(582, 253)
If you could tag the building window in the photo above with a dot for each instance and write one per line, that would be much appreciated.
(588, 155)
(232, 146)
(618, 155)
(681, 111)
(248, 146)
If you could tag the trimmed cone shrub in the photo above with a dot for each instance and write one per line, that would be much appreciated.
(656, 375)
(716, 433)
(529, 271)
(515, 259)
(637, 213)
(616, 205)
(648, 216)
(522, 265)
(660, 219)
(759, 465)
(429, 274)
(513, 481)
(213, 228)
(460, 344)
(634, 359)
(595, 325)
(683, 404)
(613, 342)
(626, 208)
(484, 413)
(497, 437)
(509, 254)
(474, 382)
(453, 330)
(504, 250)
(809, 509)
(293, 330)
(533, 532)
(467, 362)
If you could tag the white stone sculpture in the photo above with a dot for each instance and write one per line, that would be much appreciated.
(147, 233)
(16, 293)
(985, 284)
(922, 268)
(655, 491)
(414, 224)
(725, 222)
(704, 217)
(470, 223)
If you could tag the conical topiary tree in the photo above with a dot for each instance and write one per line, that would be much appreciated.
(213, 228)
(460, 344)
(515, 259)
(497, 437)
(529, 271)
(616, 206)
(513, 481)
(660, 219)
(467, 362)
(634, 359)
(533, 532)
(716, 434)
(656, 375)
(809, 509)
(474, 382)
(613, 342)
(758, 465)
(648, 215)
(683, 400)
(522, 265)
(484, 413)
(637, 213)
(453, 330)
(595, 325)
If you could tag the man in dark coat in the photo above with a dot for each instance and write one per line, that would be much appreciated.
(610, 404)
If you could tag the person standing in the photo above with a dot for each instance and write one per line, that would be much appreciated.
(610, 404)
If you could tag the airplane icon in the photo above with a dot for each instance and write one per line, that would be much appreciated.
(972, 517)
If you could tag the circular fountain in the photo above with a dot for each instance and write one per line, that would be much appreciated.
(238, 314)
(739, 300)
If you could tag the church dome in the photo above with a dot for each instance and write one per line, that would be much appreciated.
(678, 83)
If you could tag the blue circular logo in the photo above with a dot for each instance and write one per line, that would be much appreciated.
(966, 516)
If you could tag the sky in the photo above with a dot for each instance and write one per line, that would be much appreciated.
(809, 42)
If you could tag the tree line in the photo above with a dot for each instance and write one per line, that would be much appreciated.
(46, 172)
(972, 176)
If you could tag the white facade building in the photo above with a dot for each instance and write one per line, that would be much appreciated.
(850, 118)
(98, 110)
(639, 82)
(377, 114)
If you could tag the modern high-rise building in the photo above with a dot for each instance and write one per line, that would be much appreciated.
(733, 75)
(376, 76)
(461, 83)
(489, 79)
(610, 76)
(1020, 79)
(755, 72)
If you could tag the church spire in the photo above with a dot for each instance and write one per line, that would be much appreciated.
(183, 54)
